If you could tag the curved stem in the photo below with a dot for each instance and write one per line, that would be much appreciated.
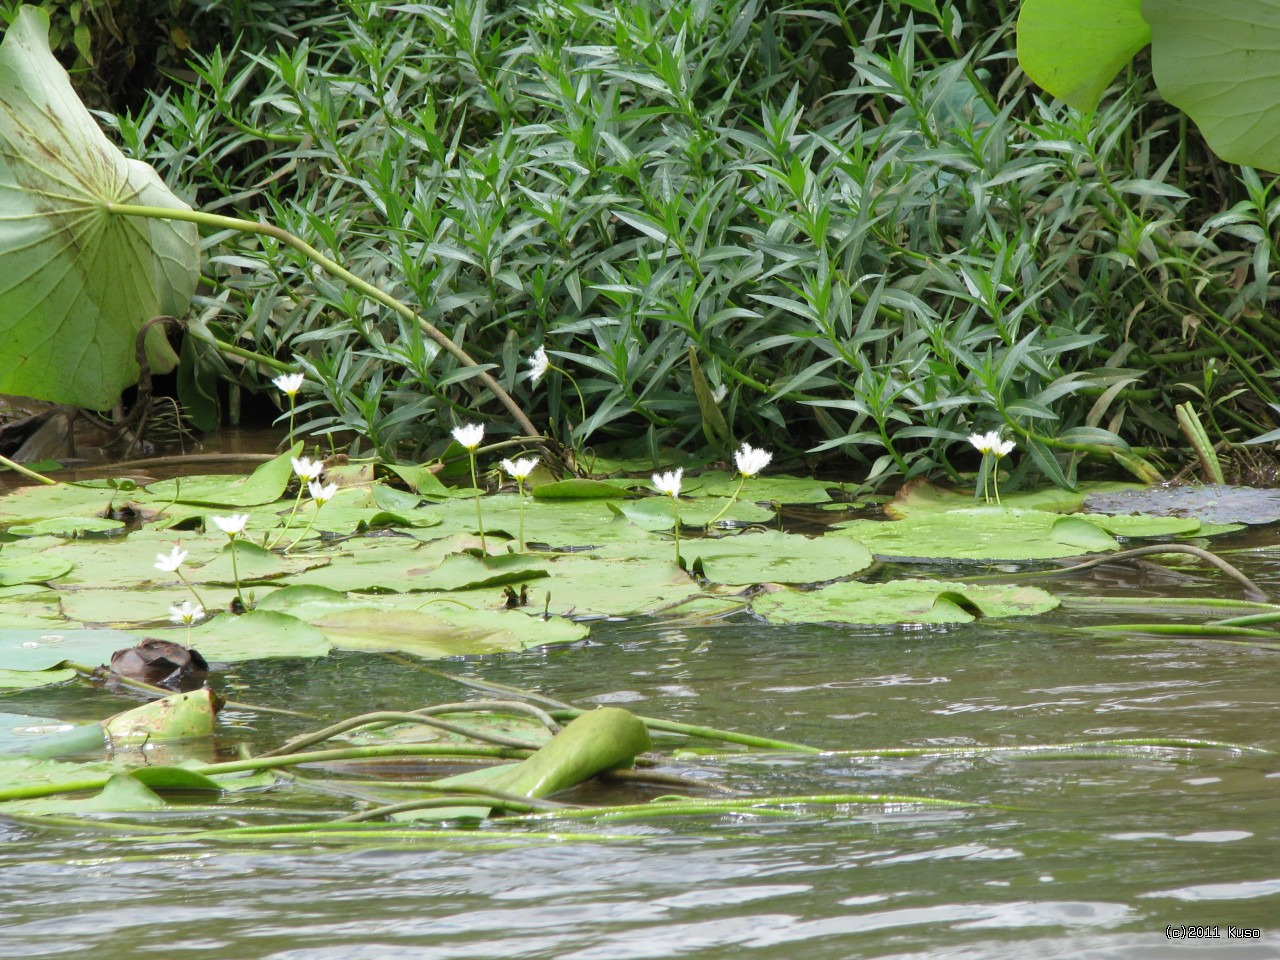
(334, 269)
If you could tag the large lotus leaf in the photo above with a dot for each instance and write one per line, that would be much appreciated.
(1209, 503)
(717, 483)
(1075, 48)
(1220, 62)
(434, 625)
(902, 601)
(265, 485)
(77, 282)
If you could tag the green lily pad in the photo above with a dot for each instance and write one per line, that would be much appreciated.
(65, 527)
(432, 625)
(635, 585)
(767, 556)
(18, 731)
(902, 601)
(780, 489)
(265, 485)
(30, 569)
(556, 523)
(121, 794)
(462, 571)
(996, 533)
(919, 496)
(255, 635)
(33, 504)
(580, 488)
(130, 608)
(421, 480)
(654, 513)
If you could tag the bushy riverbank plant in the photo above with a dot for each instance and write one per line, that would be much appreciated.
(847, 232)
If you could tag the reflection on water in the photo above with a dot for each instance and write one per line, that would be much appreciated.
(1088, 856)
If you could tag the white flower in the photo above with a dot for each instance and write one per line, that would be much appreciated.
(170, 562)
(322, 494)
(470, 435)
(186, 613)
(231, 525)
(521, 469)
(751, 460)
(538, 365)
(306, 469)
(1001, 447)
(669, 483)
(289, 383)
(982, 441)
(720, 392)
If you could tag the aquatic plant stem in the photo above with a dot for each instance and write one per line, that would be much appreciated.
(26, 472)
(520, 487)
(471, 456)
(742, 479)
(334, 269)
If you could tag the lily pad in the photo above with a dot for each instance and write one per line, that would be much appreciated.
(37, 569)
(654, 513)
(780, 489)
(433, 625)
(995, 533)
(1209, 503)
(581, 488)
(256, 635)
(65, 527)
(265, 485)
(902, 601)
(767, 556)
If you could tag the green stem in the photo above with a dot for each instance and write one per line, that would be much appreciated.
(187, 583)
(235, 571)
(26, 472)
(742, 478)
(475, 483)
(705, 733)
(675, 512)
(520, 486)
(297, 501)
(334, 269)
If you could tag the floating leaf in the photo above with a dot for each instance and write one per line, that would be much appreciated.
(29, 569)
(777, 489)
(181, 716)
(264, 485)
(993, 533)
(767, 556)
(581, 488)
(77, 282)
(427, 625)
(65, 527)
(256, 635)
(654, 513)
(902, 601)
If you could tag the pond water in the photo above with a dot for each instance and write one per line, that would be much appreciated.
(1091, 856)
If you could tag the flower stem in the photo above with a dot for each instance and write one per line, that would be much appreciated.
(479, 519)
(297, 502)
(675, 511)
(742, 478)
(520, 486)
(187, 583)
(235, 571)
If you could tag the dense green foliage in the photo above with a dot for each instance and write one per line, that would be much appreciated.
(829, 228)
